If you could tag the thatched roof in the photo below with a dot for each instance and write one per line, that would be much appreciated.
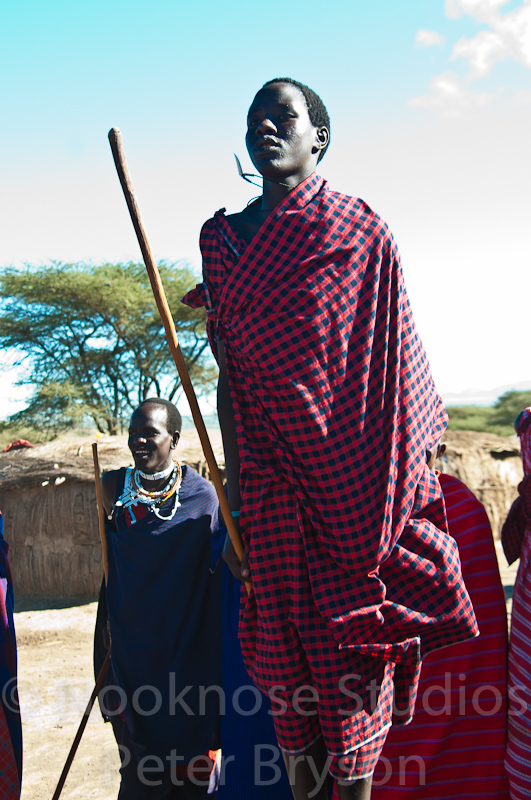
(497, 447)
(71, 459)
(462, 440)
(59, 461)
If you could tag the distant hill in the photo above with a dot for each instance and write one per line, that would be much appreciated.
(483, 397)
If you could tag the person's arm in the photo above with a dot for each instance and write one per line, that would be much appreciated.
(228, 432)
(108, 489)
(232, 463)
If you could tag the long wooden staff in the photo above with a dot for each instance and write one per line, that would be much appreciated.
(101, 512)
(101, 677)
(115, 139)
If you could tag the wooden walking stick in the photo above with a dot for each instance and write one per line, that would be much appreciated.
(101, 677)
(101, 512)
(115, 139)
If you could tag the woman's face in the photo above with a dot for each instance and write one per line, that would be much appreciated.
(150, 443)
(281, 140)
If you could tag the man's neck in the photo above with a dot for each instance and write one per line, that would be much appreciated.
(274, 192)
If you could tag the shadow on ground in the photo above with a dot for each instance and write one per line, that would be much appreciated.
(28, 602)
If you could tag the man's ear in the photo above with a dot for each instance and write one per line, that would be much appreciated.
(322, 137)
(175, 439)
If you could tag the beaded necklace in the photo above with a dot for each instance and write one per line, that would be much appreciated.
(133, 493)
(156, 476)
(175, 478)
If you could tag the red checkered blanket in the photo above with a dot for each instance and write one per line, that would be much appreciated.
(333, 394)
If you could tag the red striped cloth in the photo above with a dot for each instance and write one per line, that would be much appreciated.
(517, 528)
(455, 745)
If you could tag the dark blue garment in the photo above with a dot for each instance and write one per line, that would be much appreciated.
(8, 658)
(248, 737)
(164, 612)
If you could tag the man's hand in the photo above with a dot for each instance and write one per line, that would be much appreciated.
(240, 571)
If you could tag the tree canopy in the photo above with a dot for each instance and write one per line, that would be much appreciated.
(93, 341)
(508, 406)
(498, 418)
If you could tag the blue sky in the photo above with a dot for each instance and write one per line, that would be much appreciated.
(430, 102)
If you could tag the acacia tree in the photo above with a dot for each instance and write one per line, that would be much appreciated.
(93, 341)
(508, 406)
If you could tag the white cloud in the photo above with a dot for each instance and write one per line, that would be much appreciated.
(429, 38)
(482, 10)
(508, 36)
(448, 94)
(522, 98)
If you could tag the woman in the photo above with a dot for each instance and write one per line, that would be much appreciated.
(327, 407)
(162, 604)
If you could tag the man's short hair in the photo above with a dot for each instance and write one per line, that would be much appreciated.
(316, 108)
(173, 418)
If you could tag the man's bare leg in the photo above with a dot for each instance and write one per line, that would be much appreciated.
(355, 790)
(307, 772)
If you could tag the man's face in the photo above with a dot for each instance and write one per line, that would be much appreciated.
(280, 138)
(149, 441)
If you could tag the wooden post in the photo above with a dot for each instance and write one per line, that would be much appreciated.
(101, 511)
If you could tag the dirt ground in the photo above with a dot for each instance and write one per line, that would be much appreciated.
(55, 683)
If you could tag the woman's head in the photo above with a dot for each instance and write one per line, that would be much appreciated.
(288, 130)
(154, 431)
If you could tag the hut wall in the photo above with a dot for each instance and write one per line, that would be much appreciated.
(490, 466)
(54, 545)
